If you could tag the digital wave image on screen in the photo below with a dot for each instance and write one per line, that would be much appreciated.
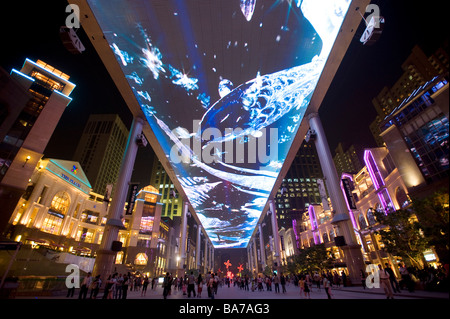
(224, 85)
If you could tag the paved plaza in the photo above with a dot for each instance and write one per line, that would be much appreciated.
(292, 292)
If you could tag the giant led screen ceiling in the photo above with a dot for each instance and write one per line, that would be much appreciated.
(224, 86)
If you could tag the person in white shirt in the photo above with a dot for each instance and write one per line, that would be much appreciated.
(385, 282)
(85, 286)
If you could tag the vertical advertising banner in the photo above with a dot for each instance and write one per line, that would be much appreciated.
(134, 187)
(348, 193)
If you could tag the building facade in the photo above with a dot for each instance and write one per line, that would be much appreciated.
(60, 212)
(32, 102)
(378, 186)
(300, 187)
(169, 194)
(417, 70)
(416, 134)
(100, 149)
(348, 160)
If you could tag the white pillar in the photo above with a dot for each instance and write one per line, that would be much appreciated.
(183, 237)
(352, 251)
(212, 259)
(262, 248)
(205, 269)
(255, 255)
(275, 234)
(197, 252)
(105, 256)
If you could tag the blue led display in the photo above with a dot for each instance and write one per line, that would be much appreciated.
(224, 86)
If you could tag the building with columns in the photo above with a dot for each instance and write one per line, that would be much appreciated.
(60, 212)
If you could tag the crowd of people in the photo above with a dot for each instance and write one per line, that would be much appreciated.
(192, 285)
(117, 285)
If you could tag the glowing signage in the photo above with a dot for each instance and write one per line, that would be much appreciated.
(224, 86)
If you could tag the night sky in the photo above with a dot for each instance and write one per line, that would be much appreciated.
(31, 29)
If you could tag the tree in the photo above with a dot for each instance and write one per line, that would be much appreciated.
(314, 258)
(433, 215)
(402, 235)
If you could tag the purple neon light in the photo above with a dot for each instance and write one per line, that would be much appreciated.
(368, 159)
(294, 226)
(313, 219)
(352, 217)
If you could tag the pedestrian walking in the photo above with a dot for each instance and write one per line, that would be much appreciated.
(392, 278)
(85, 286)
(144, 286)
(118, 290)
(199, 286)
(167, 283)
(125, 284)
(210, 286)
(307, 289)
(110, 286)
(385, 283)
(362, 275)
(71, 290)
(406, 278)
(327, 286)
(336, 279)
(191, 285)
(316, 279)
(260, 284)
(344, 278)
(276, 282)
(283, 283)
(95, 287)
(301, 284)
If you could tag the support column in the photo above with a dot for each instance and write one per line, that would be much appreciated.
(249, 257)
(197, 253)
(352, 251)
(212, 259)
(156, 223)
(275, 234)
(182, 252)
(262, 248)
(255, 255)
(205, 268)
(105, 256)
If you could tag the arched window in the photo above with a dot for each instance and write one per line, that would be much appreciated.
(371, 217)
(332, 235)
(401, 197)
(325, 237)
(56, 213)
(60, 203)
(362, 222)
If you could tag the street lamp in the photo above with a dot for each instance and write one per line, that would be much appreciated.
(26, 160)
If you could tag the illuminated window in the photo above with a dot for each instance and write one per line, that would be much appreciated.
(61, 202)
(55, 215)
(119, 257)
(362, 222)
(371, 217)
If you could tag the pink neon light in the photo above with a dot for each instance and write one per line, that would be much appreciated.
(313, 219)
(294, 226)
(373, 176)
